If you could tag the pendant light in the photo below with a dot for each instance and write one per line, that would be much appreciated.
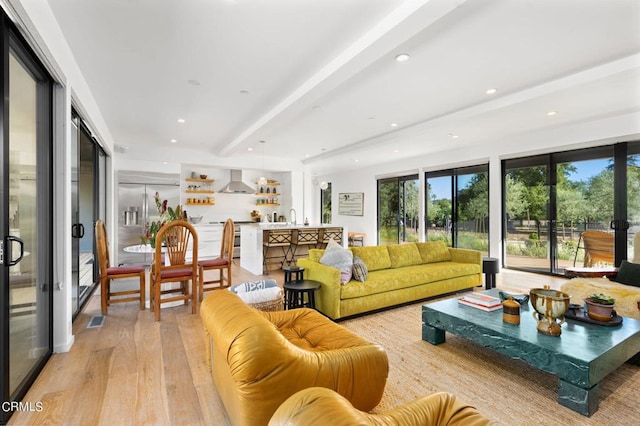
(262, 180)
(323, 185)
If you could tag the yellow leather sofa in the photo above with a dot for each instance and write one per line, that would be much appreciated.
(397, 273)
(258, 359)
(323, 406)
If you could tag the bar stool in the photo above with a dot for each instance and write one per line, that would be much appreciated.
(303, 237)
(274, 238)
(328, 234)
(356, 237)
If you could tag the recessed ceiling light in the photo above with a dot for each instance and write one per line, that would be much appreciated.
(174, 140)
(165, 162)
(395, 151)
(491, 91)
(453, 136)
(394, 124)
(402, 57)
(307, 155)
(181, 120)
(356, 160)
(550, 113)
(249, 149)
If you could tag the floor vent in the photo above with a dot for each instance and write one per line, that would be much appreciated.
(96, 321)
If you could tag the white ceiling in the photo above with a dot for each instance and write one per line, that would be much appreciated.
(321, 74)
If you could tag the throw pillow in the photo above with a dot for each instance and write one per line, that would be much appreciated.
(628, 273)
(338, 257)
(360, 270)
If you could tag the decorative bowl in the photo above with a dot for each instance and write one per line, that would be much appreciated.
(550, 307)
(195, 219)
(522, 299)
(203, 176)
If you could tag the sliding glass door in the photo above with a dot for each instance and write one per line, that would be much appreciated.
(555, 204)
(84, 208)
(457, 202)
(398, 213)
(25, 219)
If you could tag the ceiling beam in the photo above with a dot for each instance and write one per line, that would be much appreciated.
(411, 17)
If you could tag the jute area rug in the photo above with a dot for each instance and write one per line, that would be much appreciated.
(506, 390)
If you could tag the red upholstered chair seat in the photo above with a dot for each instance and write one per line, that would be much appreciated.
(176, 273)
(213, 262)
(120, 270)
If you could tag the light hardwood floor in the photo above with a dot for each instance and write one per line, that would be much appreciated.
(134, 370)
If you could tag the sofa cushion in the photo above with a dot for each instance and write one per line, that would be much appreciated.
(338, 257)
(410, 276)
(360, 270)
(375, 257)
(628, 273)
(434, 251)
(404, 255)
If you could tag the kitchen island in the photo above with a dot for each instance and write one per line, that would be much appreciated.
(253, 237)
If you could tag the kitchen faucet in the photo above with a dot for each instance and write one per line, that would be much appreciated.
(292, 216)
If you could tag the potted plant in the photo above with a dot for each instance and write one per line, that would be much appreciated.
(600, 306)
(167, 214)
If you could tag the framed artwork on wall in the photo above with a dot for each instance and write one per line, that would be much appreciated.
(351, 203)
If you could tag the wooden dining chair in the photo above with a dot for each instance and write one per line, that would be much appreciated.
(222, 263)
(177, 237)
(109, 273)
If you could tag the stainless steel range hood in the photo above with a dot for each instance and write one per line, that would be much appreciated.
(236, 185)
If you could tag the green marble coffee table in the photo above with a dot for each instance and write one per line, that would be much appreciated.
(581, 356)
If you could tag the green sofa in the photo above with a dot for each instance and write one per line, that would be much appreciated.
(397, 274)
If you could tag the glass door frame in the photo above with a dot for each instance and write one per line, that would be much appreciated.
(400, 181)
(84, 136)
(619, 152)
(14, 43)
(454, 174)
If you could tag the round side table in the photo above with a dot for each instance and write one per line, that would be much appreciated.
(583, 272)
(490, 267)
(295, 291)
(292, 273)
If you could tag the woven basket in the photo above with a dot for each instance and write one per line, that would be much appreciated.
(271, 305)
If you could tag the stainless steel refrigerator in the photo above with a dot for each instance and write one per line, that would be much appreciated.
(137, 207)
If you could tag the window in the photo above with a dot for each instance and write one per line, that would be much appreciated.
(398, 210)
(325, 203)
(457, 207)
(550, 200)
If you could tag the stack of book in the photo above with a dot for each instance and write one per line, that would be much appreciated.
(481, 301)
